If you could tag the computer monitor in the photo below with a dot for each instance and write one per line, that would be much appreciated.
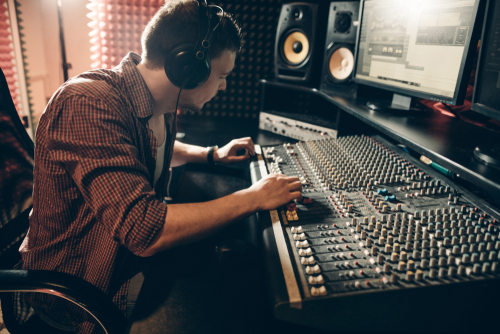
(418, 48)
(486, 99)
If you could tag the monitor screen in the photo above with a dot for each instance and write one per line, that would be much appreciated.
(486, 98)
(417, 47)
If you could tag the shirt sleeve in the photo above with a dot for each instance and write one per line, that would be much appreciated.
(95, 143)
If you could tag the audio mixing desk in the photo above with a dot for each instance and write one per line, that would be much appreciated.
(379, 241)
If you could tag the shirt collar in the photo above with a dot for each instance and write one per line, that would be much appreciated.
(138, 91)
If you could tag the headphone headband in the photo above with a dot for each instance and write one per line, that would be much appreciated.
(203, 46)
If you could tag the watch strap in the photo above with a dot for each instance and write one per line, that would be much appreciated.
(210, 154)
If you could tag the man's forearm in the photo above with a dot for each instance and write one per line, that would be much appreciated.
(188, 222)
(185, 153)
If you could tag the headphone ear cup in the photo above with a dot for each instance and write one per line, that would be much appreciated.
(182, 63)
(201, 73)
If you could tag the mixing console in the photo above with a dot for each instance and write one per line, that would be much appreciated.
(373, 219)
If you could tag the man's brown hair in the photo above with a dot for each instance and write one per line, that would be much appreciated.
(178, 22)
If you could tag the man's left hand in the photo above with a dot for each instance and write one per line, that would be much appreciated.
(228, 155)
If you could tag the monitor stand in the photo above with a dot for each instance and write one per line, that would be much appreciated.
(400, 105)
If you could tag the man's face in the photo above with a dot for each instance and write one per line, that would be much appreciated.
(194, 99)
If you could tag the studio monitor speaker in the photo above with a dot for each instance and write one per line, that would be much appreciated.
(299, 43)
(338, 61)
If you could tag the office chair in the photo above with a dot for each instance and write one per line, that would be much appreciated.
(16, 185)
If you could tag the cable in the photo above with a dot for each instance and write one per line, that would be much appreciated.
(179, 95)
(168, 198)
(450, 110)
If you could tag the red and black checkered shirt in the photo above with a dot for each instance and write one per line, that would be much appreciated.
(94, 206)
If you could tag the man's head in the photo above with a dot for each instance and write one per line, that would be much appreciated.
(178, 22)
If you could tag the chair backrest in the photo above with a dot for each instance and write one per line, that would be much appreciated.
(16, 178)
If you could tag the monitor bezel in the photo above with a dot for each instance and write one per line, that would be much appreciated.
(476, 106)
(465, 66)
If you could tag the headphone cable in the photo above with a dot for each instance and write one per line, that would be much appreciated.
(168, 198)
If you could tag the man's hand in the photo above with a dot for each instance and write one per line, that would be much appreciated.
(228, 155)
(274, 191)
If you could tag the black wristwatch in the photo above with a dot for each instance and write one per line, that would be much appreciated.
(210, 154)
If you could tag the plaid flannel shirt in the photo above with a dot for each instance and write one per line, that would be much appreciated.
(94, 206)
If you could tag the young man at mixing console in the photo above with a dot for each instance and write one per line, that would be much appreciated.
(103, 145)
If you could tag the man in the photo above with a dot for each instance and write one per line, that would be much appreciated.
(99, 176)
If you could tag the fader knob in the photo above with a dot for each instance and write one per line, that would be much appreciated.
(302, 244)
(461, 270)
(482, 257)
(419, 275)
(475, 257)
(416, 254)
(305, 252)
(307, 260)
(432, 273)
(313, 270)
(394, 278)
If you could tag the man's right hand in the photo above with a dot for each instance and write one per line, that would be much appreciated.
(274, 191)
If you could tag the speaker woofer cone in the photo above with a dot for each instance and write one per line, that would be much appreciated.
(295, 48)
(341, 64)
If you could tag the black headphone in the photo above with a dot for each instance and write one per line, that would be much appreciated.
(188, 65)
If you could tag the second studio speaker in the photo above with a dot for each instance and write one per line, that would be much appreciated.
(298, 52)
(338, 63)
